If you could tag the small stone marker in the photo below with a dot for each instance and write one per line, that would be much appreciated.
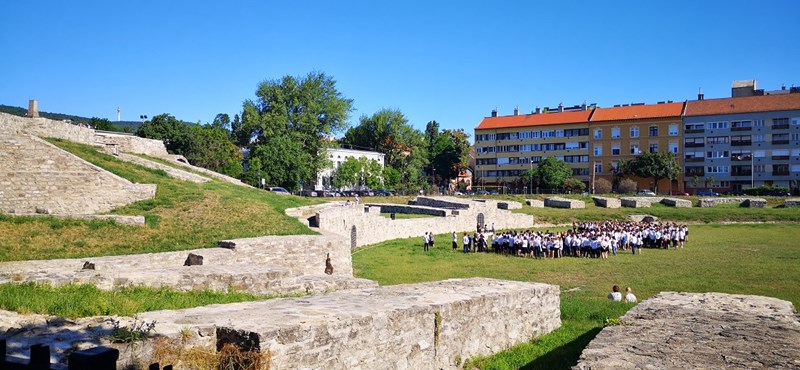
(88, 266)
(328, 265)
(194, 260)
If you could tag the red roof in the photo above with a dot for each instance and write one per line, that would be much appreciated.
(535, 119)
(632, 112)
(747, 104)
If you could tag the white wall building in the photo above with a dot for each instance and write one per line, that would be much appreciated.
(337, 156)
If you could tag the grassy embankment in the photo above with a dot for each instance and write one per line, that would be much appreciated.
(743, 259)
(183, 215)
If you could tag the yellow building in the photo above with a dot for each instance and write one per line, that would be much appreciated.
(507, 146)
(622, 132)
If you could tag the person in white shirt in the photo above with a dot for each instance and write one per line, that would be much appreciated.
(615, 295)
(629, 297)
(455, 241)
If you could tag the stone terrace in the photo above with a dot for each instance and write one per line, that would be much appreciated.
(699, 331)
(432, 325)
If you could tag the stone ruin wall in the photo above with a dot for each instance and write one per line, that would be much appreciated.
(36, 176)
(435, 325)
(371, 227)
(43, 127)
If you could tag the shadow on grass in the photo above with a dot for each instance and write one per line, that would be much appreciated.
(565, 356)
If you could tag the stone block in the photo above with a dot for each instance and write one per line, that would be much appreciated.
(676, 202)
(791, 203)
(535, 203)
(754, 203)
(435, 325)
(558, 202)
(607, 202)
(635, 202)
(663, 332)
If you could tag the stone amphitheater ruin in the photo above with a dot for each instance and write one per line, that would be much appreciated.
(340, 322)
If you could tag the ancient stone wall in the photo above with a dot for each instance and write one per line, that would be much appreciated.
(43, 127)
(411, 210)
(535, 203)
(170, 170)
(38, 177)
(370, 227)
(792, 203)
(558, 202)
(434, 325)
(699, 331)
(713, 202)
(606, 202)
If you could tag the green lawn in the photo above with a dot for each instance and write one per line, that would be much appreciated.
(183, 215)
(744, 259)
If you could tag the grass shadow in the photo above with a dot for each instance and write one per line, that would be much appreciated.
(564, 356)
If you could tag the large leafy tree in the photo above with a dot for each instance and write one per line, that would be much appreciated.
(450, 153)
(292, 114)
(388, 132)
(552, 173)
(347, 175)
(656, 166)
(175, 134)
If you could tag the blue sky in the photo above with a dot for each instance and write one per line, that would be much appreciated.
(449, 61)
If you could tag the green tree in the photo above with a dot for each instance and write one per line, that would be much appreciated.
(391, 177)
(101, 124)
(283, 162)
(574, 185)
(371, 172)
(222, 121)
(450, 153)
(348, 174)
(211, 148)
(293, 113)
(656, 166)
(176, 135)
(552, 173)
(431, 134)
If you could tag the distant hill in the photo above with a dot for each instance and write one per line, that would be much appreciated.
(125, 126)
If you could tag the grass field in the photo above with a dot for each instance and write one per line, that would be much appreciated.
(745, 259)
(183, 215)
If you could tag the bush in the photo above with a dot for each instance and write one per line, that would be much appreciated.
(627, 186)
(574, 185)
(602, 186)
(767, 190)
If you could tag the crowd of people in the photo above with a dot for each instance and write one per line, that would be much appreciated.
(587, 239)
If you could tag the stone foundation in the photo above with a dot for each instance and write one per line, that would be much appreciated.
(171, 171)
(675, 202)
(699, 331)
(535, 203)
(557, 202)
(606, 202)
(744, 202)
(434, 325)
(791, 203)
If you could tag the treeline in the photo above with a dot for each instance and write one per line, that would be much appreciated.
(93, 122)
(286, 129)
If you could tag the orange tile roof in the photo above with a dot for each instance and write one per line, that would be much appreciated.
(638, 112)
(745, 104)
(535, 119)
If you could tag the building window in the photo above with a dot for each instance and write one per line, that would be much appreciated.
(795, 121)
(673, 130)
(795, 137)
(654, 148)
(615, 149)
(598, 133)
(717, 140)
(758, 138)
(653, 131)
(718, 125)
(780, 121)
(717, 169)
(598, 167)
(598, 150)
(694, 127)
(760, 168)
(717, 154)
(634, 132)
(673, 148)
(615, 132)
(635, 149)
(758, 123)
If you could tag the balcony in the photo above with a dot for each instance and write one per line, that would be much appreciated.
(746, 128)
(694, 145)
(695, 173)
(780, 173)
(695, 159)
(780, 142)
(694, 131)
(740, 158)
(742, 173)
(780, 126)
(741, 143)
(780, 157)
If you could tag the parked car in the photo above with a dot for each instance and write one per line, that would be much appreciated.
(309, 193)
(777, 193)
(734, 192)
(646, 192)
(279, 190)
(707, 193)
(680, 193)
(481, 192)
(383, 193)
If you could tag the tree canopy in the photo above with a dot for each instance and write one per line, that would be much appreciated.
(552, 173)
(286, 125)
(450, 153)
(656, 166)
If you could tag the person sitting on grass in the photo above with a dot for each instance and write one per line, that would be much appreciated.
(629, 297)
(615, 295)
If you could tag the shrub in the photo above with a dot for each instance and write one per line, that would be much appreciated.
(574, 185)
(627, 186)
(767, 190)
(602, 186)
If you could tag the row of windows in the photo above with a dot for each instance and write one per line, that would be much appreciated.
(738, 139)
(533, 134)
(739, 125)
(743, 154)
(738, 170)
(652, 131)
(634, 149)
(532, 147)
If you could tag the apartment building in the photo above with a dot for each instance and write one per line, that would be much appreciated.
(507, 146)
(745, 141)
(624, 131)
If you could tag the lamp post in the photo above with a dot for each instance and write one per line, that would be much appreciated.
(594, 172)
(752, 168)
(530, 184)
